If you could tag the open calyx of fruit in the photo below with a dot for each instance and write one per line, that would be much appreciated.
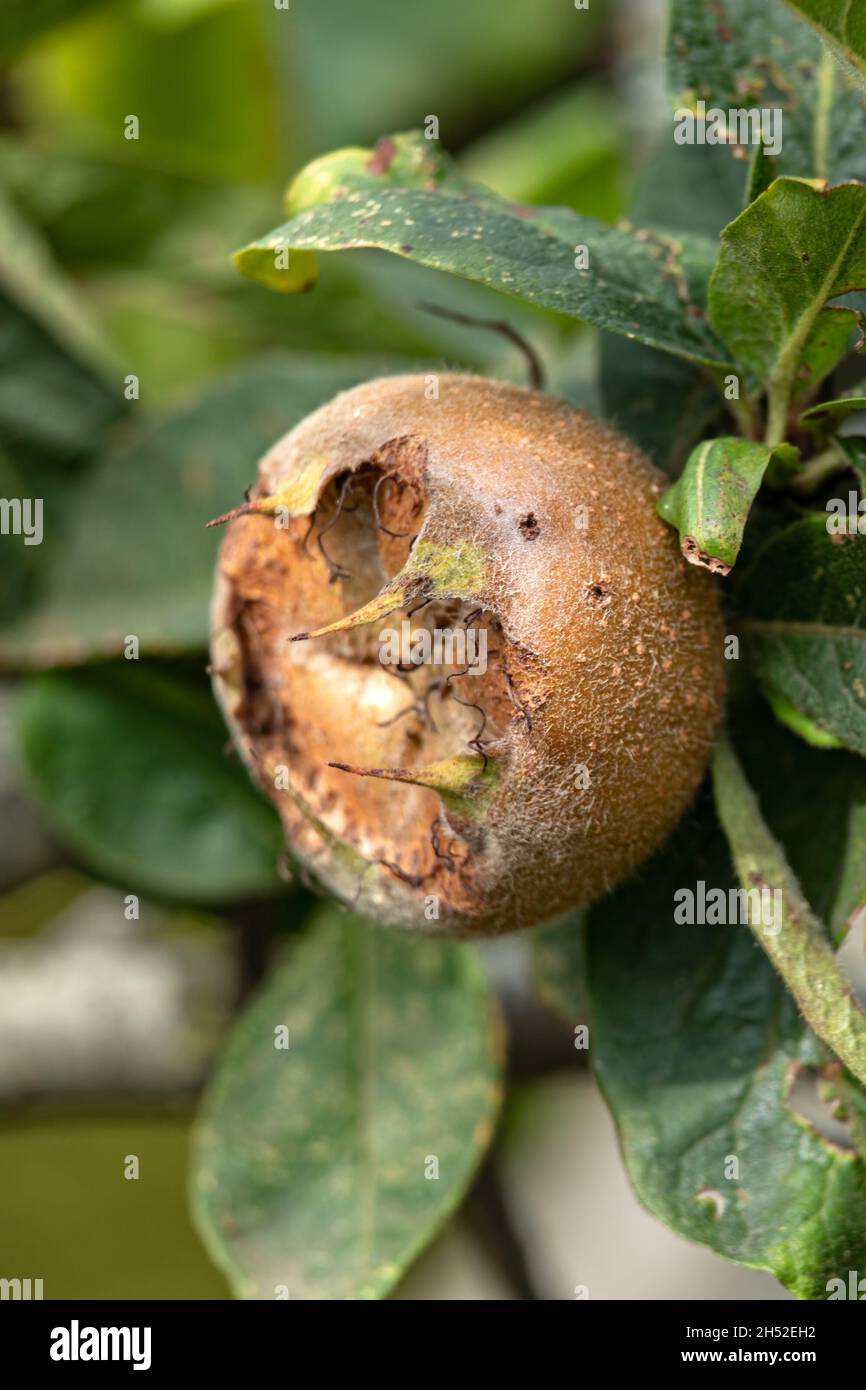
(461, 796)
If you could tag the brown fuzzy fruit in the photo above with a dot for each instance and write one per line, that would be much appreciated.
(454, 800)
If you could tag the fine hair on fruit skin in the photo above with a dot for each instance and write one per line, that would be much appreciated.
(458, 800)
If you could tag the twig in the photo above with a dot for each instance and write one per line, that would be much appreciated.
(536, 368)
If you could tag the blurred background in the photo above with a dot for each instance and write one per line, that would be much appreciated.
(140, 378)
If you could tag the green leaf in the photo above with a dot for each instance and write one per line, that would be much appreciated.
(137, 557)
(312, 1159)
(663, 403)
(56, 398)
(804, 602)
(667, 404)
(763, 169)
(129, 768)
(842, 23)
(800, 725)
(742, 55)
(794, 248)
(853, 448)
(696, 1044)
(715, 184)
(710, 503)
(98, 210)
(407, 198)
(829, 415)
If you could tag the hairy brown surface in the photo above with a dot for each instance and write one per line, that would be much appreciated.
(506, 509)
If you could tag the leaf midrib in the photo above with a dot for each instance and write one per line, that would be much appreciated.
(788, 358)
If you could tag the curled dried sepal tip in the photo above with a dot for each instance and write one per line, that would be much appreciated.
(245, 509)
(296, 498)
(462, 775)
(379, 607)
(434, 570)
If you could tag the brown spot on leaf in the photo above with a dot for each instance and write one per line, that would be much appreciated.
(382, 157)
(695, 556)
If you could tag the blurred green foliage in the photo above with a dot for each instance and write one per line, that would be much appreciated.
(231, 98)
(86, 1230)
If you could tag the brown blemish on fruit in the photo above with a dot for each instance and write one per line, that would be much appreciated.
(598, 594)
(529, 527)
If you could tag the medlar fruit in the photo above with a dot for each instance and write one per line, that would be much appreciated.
(462, 653)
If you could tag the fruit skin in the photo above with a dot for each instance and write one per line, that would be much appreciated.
(612, 646)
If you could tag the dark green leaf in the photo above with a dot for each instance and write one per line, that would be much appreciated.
(763, 168)
(715, 182)
(842, 23)
(137, 558)
(130, 768)
(738, 54)
(95, 209)
(829, 415)
(805, 605)
(314, 1161)
(853, 448)
(792, 719)
(791, 251)
(55, 396)
(665, 403)
(709, 504)
(406, 197)
(696, 1045)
